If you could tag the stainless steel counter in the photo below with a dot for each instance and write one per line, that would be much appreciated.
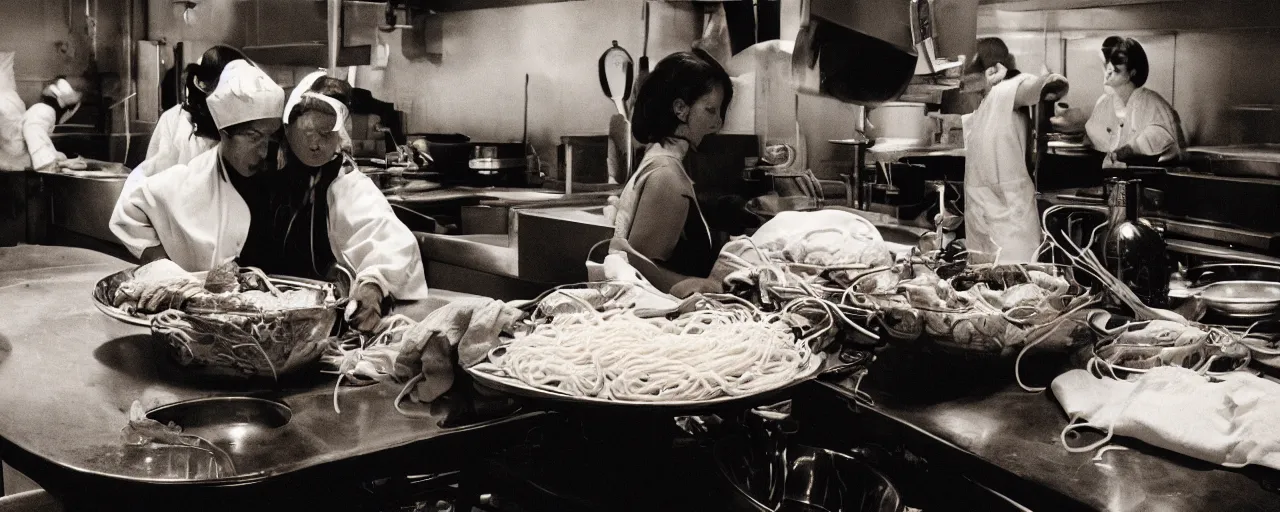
(70, 373)
(1007, 439)
(82, 205)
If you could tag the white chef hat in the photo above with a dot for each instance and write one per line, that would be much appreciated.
(303, 90)
(244, 93)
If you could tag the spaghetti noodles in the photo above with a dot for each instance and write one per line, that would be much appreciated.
(699, 356)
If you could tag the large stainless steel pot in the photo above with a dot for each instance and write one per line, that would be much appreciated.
(813, 479)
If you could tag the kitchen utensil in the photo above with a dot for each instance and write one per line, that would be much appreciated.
(644, 52)
(617, 74)
(1241, 299)
(1218, 272)
(616, 78)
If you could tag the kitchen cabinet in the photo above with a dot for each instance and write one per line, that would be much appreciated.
(301, 37)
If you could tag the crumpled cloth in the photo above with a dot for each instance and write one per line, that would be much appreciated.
(459, 334)
(1232, 420)
(462, 331)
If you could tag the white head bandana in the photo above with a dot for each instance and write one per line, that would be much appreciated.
(66, 96)
(303, 90)
(244, 93)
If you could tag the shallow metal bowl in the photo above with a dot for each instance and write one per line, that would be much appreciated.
(1242, 299)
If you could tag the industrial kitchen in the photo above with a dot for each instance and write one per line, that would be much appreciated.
(639, 255)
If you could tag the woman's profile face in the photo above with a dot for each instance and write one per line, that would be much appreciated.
(1116, 75)
(312, 139)
(704, 116)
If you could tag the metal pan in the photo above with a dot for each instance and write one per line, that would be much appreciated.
(490, 376)
(105, 289)
(1242, 299)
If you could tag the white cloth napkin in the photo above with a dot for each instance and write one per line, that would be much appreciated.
(1232, 419)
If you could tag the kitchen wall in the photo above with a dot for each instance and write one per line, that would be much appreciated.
(476, 86)
(1207, 58)
(49, 38)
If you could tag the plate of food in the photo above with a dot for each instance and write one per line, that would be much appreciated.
(713, 354)
(136, 295)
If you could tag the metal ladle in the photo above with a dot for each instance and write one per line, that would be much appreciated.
(617, 74)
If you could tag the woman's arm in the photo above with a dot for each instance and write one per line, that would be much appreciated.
(656, 226)
(367, 237)
(1051, 87)
(665, 280)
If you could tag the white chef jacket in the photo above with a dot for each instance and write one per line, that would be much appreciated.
(1150, 125)
(201, 221)
(173, 142)
(37, 125)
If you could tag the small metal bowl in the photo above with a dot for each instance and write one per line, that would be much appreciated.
(235, 424)
(1242, 299)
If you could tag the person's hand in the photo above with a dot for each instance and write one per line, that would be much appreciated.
(1122, 153)
(154, 253)
(695, 285)
(1069, 120)
(996, 74)
(1055, 87)
(365, 309)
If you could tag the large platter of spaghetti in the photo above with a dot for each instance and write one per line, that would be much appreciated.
(705, 357)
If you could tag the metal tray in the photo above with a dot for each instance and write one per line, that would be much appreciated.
(518, 388)
(106, 288)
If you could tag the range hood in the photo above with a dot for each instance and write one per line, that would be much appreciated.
(297, 32)
(865, 51)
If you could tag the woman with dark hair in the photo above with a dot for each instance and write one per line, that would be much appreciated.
(318, 210)
(1001, 220)
(1131, 123)
(186, 130)
(657, 218)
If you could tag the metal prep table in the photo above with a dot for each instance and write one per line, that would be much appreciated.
(70, 373)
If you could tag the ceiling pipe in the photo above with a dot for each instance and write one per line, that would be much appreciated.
(335, 32)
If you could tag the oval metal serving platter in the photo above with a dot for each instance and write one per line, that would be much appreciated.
(516, 387)
(106, 288)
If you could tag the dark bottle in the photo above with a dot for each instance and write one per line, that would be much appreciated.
(1132, 250)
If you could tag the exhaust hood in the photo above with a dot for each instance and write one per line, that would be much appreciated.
(865, 52)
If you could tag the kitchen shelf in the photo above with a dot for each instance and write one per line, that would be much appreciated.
(1062, 5)
(308, 54)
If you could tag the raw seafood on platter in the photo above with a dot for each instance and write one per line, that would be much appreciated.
(986, 309)
(163, 285)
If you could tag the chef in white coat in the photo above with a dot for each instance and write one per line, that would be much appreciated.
(58, 102)
(197, 215)
(1002, 223)
(185, 130)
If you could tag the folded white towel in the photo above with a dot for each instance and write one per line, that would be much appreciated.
(1232, 419)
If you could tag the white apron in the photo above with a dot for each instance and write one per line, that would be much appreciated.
(1002, 223)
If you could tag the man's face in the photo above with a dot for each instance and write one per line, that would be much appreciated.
(245, 146)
